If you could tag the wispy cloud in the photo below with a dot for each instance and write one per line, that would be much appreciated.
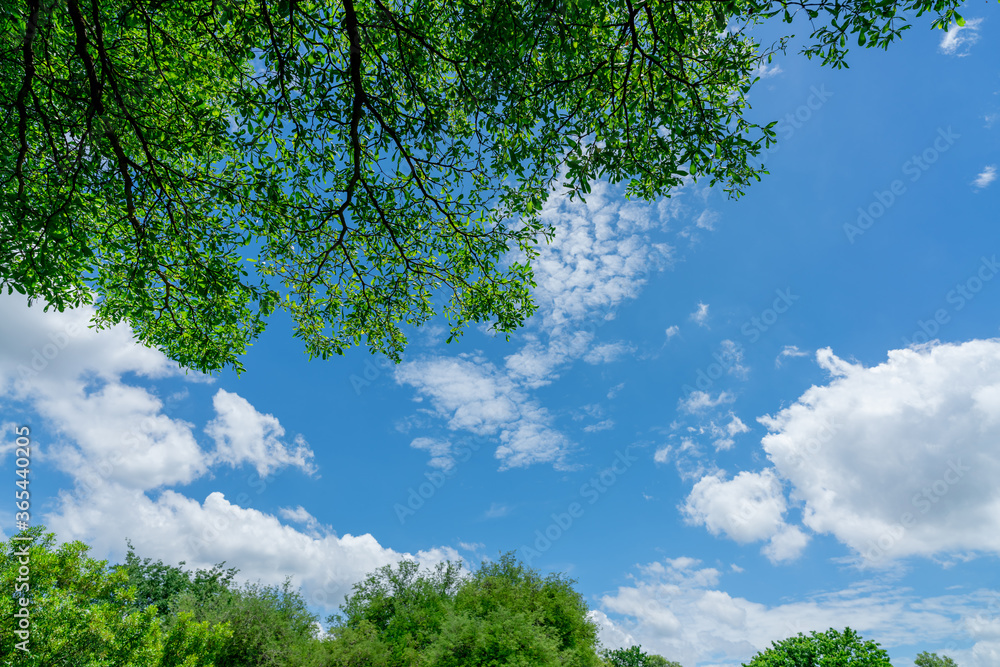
(765, 71)
(985, 177)
(600, 426)
(473, 395)
(698, 401)
(707, 220)
(496, 511)
(959, 39)
(788, 351)
(700, 315)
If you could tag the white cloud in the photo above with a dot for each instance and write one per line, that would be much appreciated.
(899, 459)
(788, 351)
(698, 401)
(706, 220)
(601, 255)
(72, 377)
(116, 443)
(748, 508)
(473, 395)
(243, 435)
(724, 435)
(959, 39)
(535, 364)
(440, 451)
(700, 315)
(604, 250)
(736, 425)
(119, 432)
(785, 545)
(718, 628)
(672, 331)
(496, 511)
(765, 71)
(607, 352)
(600, 426)
(174, 528)
(985, 177)
(302, 516)
(687, 455)
(731, 356)
(44, 350)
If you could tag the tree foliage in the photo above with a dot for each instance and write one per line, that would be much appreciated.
(82, 613)
(190, 165)
(504, 614)
(162, 585)
(926, 659)
(822, 649)
(634, 656)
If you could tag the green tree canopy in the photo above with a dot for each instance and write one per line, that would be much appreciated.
(161, 585)
(82, 613)
(504, 614)
(926, 659)
(190, 165)
(634, 656)
(267, 626)
(822, 649)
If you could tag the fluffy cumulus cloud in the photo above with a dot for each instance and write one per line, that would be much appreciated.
(243, 435)
(113, 436)
(175, 527)
(747, 508)
(71, 376)
(679, 609)
(899, 459)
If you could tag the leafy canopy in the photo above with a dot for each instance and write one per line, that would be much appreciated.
(189, 166)
(925, 659)
(822, 649)
(503, 614)
(634, 656)
(83, 613)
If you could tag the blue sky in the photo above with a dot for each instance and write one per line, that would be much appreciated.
(729, 421)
